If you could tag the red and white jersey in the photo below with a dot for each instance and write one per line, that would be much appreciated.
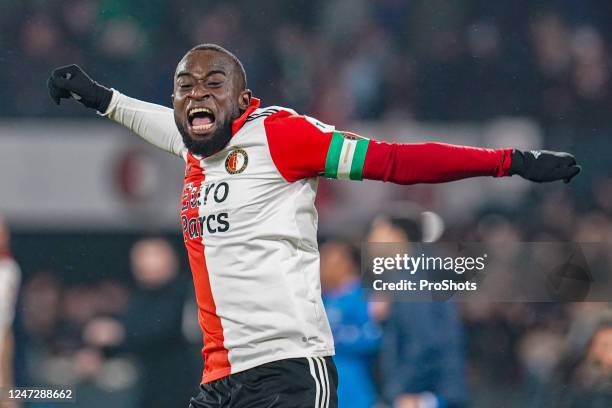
(250, 227)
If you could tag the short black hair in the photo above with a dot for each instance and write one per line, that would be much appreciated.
(218, 48)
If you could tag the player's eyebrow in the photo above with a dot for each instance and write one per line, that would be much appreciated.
(216, 71)
(209, 73)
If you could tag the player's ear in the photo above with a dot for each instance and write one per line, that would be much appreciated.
(244, 99)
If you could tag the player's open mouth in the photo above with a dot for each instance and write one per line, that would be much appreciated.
(201, 120)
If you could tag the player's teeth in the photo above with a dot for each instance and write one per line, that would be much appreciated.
(196, 110)
(203, 127)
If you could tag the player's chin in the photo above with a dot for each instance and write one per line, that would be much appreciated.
(202, 131)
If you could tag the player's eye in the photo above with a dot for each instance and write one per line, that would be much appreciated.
(214, 84)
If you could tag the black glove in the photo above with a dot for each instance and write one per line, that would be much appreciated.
(72, 82)
(543, 166)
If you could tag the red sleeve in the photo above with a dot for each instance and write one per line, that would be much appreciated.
(298, 144)
(302, 147)
(432, 162)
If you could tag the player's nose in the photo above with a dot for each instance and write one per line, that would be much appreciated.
(200, 91)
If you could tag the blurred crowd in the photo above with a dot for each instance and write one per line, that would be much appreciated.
(337, 60)
(121, 344)
(478, 354)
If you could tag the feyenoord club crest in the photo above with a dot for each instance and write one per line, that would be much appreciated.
(236, 161)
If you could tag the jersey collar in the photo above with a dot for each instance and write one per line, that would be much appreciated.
(239, 122)
(236, 125)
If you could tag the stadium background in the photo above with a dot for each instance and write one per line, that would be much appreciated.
(77, 192)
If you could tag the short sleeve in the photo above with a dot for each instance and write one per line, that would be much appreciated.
(303, 147)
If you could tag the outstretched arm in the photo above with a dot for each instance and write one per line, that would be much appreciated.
(432, 162)
(440, 162)
(154, 123)
(303, 147)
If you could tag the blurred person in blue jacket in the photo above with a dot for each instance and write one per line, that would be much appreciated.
(423, 356)
(356, 334)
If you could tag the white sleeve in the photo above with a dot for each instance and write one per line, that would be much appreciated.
(10, 275)
(154, 123)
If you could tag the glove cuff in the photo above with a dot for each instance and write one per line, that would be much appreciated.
(103, 97)
(518, 162)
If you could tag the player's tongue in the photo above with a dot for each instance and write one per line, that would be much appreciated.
(201, 121)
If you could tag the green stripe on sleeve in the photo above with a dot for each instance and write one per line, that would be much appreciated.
(333, 155)
(358, 159)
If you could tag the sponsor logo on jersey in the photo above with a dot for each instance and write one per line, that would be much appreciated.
(236, 161)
